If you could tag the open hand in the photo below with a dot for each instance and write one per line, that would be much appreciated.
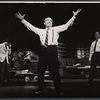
(75, 13)
(18, 15)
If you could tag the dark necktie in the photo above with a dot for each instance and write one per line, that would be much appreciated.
(95, 45)
(5, 48)
(46, 39)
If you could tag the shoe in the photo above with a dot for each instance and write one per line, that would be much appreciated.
(88, 85)
(60, 95)
(9, 84)
(39, 92)
(0, 85)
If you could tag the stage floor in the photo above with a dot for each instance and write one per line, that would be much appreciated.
(72, 88)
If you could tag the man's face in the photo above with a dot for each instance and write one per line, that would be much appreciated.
(48, 22)
(8, 44)
(97, 35)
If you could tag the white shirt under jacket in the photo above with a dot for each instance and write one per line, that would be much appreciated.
(92, 48)
(4, 53)
(53, 33)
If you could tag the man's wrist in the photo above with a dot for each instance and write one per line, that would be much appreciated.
(21, 19)
(89, 60)
(74, 16)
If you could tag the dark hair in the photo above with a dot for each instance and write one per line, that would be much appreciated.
(97, 32)
(8, 40)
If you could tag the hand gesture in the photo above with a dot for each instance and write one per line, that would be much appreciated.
(89, 61)
(8, 65)
(18, 15)
(75, 13)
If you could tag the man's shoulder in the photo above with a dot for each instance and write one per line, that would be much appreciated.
(93, 42)
(1, 44)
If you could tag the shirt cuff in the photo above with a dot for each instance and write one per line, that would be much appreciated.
(74, 17)
(89, 58)
(23, 20)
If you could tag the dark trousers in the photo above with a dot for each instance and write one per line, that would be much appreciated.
(4, 70)
(94, 61)
(49, 57)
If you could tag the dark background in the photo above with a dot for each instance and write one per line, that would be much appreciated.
(82, 31)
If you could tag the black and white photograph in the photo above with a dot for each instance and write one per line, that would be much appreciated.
(49, 50)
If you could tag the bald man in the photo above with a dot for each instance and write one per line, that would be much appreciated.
(48, 55)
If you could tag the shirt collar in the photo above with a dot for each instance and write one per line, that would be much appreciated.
(97, 39)
(48, 28)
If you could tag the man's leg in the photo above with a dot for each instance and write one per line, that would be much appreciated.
(2, 67)
(54, 70)
(54, 67)
(7, 73)
(41, 68)
(92, 69)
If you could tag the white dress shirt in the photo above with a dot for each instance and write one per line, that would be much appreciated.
(97, 49)
(53, 33)
(4, 53)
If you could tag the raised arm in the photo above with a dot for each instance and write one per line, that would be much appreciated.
(26, 23)
(69, 23)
